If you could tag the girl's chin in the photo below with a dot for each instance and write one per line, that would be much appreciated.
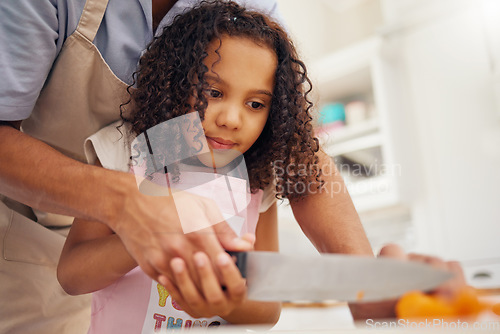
(218, 158)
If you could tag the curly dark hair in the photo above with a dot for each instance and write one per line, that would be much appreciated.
(171, 73)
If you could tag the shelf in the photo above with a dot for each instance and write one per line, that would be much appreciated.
(347, 132)
(345, 76)
(345, 73)
(368, 141)
(404, 16)
(369, 186)
(373, 193)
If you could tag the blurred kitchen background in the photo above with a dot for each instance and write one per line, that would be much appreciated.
(408, 103)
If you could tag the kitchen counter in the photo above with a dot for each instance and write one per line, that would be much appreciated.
(315, 317)
(336, 317)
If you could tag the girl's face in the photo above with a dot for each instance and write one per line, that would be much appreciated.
(239, 97)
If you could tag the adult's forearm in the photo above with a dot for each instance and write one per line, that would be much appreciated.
(39, 176)
(35, 174)
(328, 217)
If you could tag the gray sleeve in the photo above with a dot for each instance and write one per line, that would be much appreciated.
(29, 40)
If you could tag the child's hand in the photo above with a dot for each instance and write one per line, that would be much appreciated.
(212, 299)
(386, 309)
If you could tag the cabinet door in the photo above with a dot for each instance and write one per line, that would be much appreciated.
(451, 86)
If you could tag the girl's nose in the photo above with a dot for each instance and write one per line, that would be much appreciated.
(230, 116)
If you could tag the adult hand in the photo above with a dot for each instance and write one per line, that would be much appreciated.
(386, 309)
(153, 233)
(211, 299)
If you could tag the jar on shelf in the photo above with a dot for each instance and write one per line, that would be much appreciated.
(331, 116)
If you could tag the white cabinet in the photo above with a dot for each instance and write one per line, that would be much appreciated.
(432, 73)
(365, 151)
(449, 67)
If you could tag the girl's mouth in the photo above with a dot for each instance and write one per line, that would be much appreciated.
(219, 143)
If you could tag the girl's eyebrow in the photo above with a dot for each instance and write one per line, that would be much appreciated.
(214, 78)
(219, 80)
(265, 92)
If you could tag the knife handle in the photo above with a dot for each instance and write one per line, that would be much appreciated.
(240, 259)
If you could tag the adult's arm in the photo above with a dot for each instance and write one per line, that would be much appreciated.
(33, 173)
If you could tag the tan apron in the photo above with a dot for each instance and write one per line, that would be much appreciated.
(80, 96)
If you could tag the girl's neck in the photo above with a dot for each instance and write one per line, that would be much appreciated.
(160, 8)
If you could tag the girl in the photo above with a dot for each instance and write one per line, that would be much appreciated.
(239, 73)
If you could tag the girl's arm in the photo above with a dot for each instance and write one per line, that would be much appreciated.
(93, 257)
(266, 239)
(328, 217)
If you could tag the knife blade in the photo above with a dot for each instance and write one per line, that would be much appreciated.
(279, 277)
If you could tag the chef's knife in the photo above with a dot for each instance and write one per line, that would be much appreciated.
(279, 277)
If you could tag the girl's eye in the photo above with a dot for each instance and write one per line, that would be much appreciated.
(214, 93)
(256, 105)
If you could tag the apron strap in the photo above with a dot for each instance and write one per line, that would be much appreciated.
(91, 18)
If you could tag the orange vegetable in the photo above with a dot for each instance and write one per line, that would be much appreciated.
(467, 303)
(496, 309)
(419, 305)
